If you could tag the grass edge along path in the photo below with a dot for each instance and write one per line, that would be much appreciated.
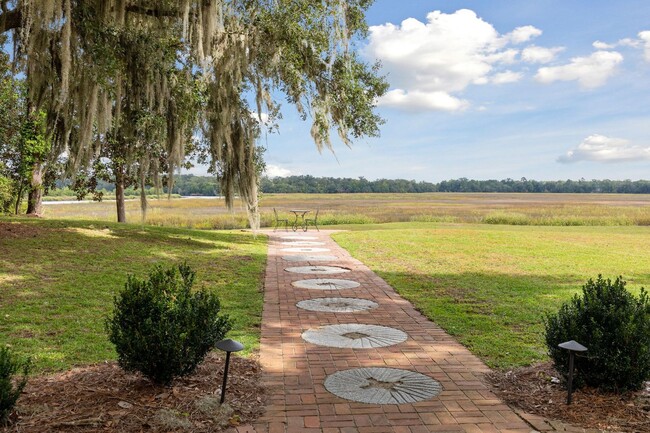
(58, 279)
(489, 286)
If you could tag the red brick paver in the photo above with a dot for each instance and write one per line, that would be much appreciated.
(294, 371)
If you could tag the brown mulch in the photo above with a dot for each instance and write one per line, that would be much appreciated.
(532, 390)
(103, 398)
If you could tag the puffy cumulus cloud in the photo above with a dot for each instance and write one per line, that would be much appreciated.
(590, 72)
(276, 171)
(601, 148)
(416, 100)
(535, 54)
(523, 34)
(506, 77)
(645, 38)
(428, 63)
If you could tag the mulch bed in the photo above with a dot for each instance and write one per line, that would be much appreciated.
(103, 398)
(532, 390)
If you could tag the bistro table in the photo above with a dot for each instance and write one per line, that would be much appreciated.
(301, 213)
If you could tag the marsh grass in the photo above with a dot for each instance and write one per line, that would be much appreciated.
(490, 285)
(337, 209)
(58, 279)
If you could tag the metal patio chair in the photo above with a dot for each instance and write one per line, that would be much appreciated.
(313, 221)
(279, 221)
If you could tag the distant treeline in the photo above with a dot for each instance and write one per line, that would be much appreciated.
(188, 185)
(310, 184)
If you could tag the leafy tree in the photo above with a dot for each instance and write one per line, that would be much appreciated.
(238, 54)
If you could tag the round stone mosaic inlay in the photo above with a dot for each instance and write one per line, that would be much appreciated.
(337, 305)
(303, 243)
(308, 258)
(354, 336)
(300, 238)
(380, 385)
(305, 250)
(317, 270)
(325, 284)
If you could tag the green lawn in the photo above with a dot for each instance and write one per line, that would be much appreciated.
(490, 285)
(58, 279)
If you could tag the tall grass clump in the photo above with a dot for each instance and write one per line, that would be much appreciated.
(10, 386)
(614, 325)
(433, 219)
(509, 218)
(161, 328)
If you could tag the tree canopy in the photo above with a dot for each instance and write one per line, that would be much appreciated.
(136, 80)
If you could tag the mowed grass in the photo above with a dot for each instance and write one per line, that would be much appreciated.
(58, 279)
(337, 209)
(490, 285)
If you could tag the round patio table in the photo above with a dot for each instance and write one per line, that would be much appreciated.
(299, 213)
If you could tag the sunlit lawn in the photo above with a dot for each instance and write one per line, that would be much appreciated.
(58, 279)
(490, 285)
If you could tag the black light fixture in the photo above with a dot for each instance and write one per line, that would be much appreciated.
(572, 346)
(227, 346)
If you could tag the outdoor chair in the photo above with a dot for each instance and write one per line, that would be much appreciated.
(278, 221)
(313, 221)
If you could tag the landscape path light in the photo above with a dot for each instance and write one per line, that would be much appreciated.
(572, 346)
(227, 346)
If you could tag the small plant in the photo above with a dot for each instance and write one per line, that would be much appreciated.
(10, 388)
(161, 328)
(615, 327)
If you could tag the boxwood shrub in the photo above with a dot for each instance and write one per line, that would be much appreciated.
(614, 325)
(163, 329)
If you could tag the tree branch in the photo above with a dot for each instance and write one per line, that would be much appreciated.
(10, 20)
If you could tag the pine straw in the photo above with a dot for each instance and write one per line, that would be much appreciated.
(531, 389)
(103, 398)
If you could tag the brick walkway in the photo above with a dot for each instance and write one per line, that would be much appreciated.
(295, 371)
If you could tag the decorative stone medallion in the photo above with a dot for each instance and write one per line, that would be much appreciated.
(380, 385)
(325, 284)
(299, 238)
(354, 336)
(305, 250)
(324, 270)
(303, 243)
(337, 305)
(309, 258)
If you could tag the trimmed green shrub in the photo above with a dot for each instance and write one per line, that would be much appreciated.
(10, 388)
(161, 328)
(614, 325)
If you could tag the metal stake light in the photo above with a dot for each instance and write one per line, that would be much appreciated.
(573, 347)
(227, 346)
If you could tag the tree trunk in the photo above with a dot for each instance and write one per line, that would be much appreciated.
(35, 200)
(119, 194)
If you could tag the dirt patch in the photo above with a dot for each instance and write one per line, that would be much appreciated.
(103, 398)
(533, 390)
(17, 230)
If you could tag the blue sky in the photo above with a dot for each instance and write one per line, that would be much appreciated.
(495, 89)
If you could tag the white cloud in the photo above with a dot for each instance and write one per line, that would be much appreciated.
(523, 34)
(276, 171)
(601, 148)
(428, 63)
(590, 72)
(645, 37)
(506, 77)
(261, 118)
(535, 54)
(418, 100)
(599, 45)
